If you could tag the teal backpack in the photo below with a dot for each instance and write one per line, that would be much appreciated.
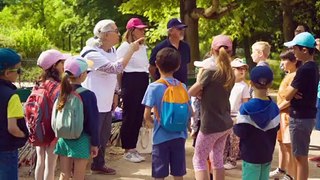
(68, 122)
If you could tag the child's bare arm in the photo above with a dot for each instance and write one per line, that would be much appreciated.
(195, 89)
(147, 117)
(13, 128)
(290, 93)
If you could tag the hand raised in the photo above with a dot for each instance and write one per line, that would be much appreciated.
(135, 45)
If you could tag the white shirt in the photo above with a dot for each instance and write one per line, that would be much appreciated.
(139, 61)
(101, 83)
(239, 91)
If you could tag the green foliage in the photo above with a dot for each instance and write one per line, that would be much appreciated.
(30, 41)
(157, 17)
(30, 73)
(278, 74)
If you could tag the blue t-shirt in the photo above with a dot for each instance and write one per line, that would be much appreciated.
(152, 98)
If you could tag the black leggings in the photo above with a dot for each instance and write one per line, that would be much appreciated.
(133, 87)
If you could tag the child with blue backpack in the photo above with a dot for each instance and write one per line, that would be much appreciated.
(168, 150)
(79, 150)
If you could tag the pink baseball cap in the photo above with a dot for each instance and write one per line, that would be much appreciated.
(135, 23)
(50, 57)
(221, 40)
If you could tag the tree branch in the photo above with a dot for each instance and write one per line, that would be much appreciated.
(214, 11)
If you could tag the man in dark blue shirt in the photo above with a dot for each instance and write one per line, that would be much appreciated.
(175, 40)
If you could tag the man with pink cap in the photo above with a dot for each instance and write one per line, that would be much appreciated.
(134, 82)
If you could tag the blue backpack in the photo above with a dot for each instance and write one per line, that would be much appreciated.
(175, 108)
(68, 122)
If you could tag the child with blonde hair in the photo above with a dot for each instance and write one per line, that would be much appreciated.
(260, 53)
(216, 122)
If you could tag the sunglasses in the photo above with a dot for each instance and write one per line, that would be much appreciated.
(88, 72)
(17, 70)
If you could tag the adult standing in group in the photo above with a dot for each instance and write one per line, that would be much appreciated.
(134, 82)
(103, 80)
(175, 40)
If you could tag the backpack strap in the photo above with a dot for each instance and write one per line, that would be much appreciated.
(85, 53)
(164, 81)
(80, 90)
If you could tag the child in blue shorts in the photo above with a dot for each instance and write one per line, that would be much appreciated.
(168, 150)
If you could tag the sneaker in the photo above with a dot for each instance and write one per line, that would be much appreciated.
(277, 173)
(139, 156)
(287, 177)
(103, 170)
(229, 166)
(131, 156)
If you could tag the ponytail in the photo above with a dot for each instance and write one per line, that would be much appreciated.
(65, 91)
(224, 69)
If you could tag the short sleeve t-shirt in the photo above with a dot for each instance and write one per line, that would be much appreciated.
(152, 98)
(184, 50)
(306, 82)
(215, 106)
(101, 83)
(239, 91)
(139, 61)
(15, 109)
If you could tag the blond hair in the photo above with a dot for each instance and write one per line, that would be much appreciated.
(262, 46)
(224, 69)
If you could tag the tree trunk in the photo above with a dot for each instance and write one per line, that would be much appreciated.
(287, 24)
(247, 53)
(192, 35)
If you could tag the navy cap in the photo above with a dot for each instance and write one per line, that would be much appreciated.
(8, 58)
(176, 23)
(262, 75)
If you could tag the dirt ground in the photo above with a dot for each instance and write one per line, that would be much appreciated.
(142, 171)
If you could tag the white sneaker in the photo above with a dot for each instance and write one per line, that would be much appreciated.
(229, 166)
(277, 173)
(139, 156)
(130, 156)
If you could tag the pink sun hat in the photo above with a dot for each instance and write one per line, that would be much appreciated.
(50, 57)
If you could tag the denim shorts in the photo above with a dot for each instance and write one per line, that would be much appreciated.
(300, 131)
(9, 165)
(170, 154)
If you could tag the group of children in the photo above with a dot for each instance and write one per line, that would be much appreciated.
(228, 115)
(61, 76)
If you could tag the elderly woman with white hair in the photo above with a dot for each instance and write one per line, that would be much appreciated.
(103, 80)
